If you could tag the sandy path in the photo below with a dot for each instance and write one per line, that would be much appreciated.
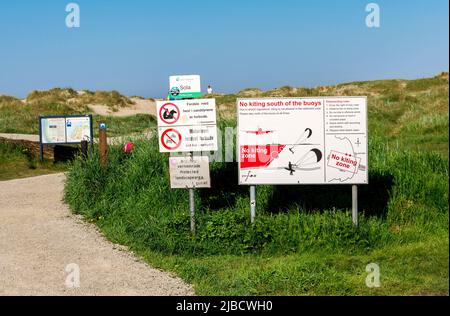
(39, 237)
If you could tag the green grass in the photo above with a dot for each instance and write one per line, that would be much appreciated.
(303, 241)
(17, 162)
(410, 114)
(22, 117)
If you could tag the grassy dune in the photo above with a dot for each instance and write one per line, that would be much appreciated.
(411, 114)
(17, 116)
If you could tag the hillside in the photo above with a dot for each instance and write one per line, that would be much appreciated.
(122, 114)
(409, 114)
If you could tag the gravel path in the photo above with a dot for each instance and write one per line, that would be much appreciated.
(39, 237)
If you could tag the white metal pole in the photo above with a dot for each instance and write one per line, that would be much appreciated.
(355, 204)
(252, 203)
(192, 209)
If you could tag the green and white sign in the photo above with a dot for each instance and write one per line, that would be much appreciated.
(184, 87)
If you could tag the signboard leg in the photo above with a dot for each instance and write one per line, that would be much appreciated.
(252, 203)
(192, 209)
(41, 152)
(355, 204)
(84, 149)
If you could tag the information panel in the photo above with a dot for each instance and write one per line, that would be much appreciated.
(53, 130)
(316, 140)
(189, 172)
(78, 129)
(65, 129)
(187, 125)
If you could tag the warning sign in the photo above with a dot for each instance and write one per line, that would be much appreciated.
(171, 139)
(315, 140)
(189, 172)
(187, 125)
(169, 113)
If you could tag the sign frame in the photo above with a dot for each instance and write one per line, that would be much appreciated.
(300, 98)
(65, 117)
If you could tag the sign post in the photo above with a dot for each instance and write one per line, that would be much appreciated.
(103, 144)
(252, 203)
(188, 126)
(192, 209)
(310, 140)
(355, 204)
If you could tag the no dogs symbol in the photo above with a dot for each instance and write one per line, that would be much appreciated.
(169, 113)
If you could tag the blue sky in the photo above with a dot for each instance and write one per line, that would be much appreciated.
(134, 46)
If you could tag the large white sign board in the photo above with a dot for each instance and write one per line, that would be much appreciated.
(189, 172)
(318, 140)
(187, 125)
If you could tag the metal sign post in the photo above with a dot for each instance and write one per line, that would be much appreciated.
(192, 203)
(192, 209)
(355, 204)
(252, 203)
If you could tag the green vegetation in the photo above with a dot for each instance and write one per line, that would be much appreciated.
(407, 114)
(79, 100)
(18, 162)
(22, 118)
(303, 241)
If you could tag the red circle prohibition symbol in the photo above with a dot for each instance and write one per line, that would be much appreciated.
(165, 135)
(161, 116)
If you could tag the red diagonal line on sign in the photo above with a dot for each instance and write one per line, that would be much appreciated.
(171, 138)
(164, 108)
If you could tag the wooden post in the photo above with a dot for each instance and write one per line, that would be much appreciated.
(103, 145)
(84, 149)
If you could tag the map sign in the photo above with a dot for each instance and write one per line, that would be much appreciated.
(65, 129)
(189, 172)
(187, 125)
(53, 130)
(78, 129)
(316, 140)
